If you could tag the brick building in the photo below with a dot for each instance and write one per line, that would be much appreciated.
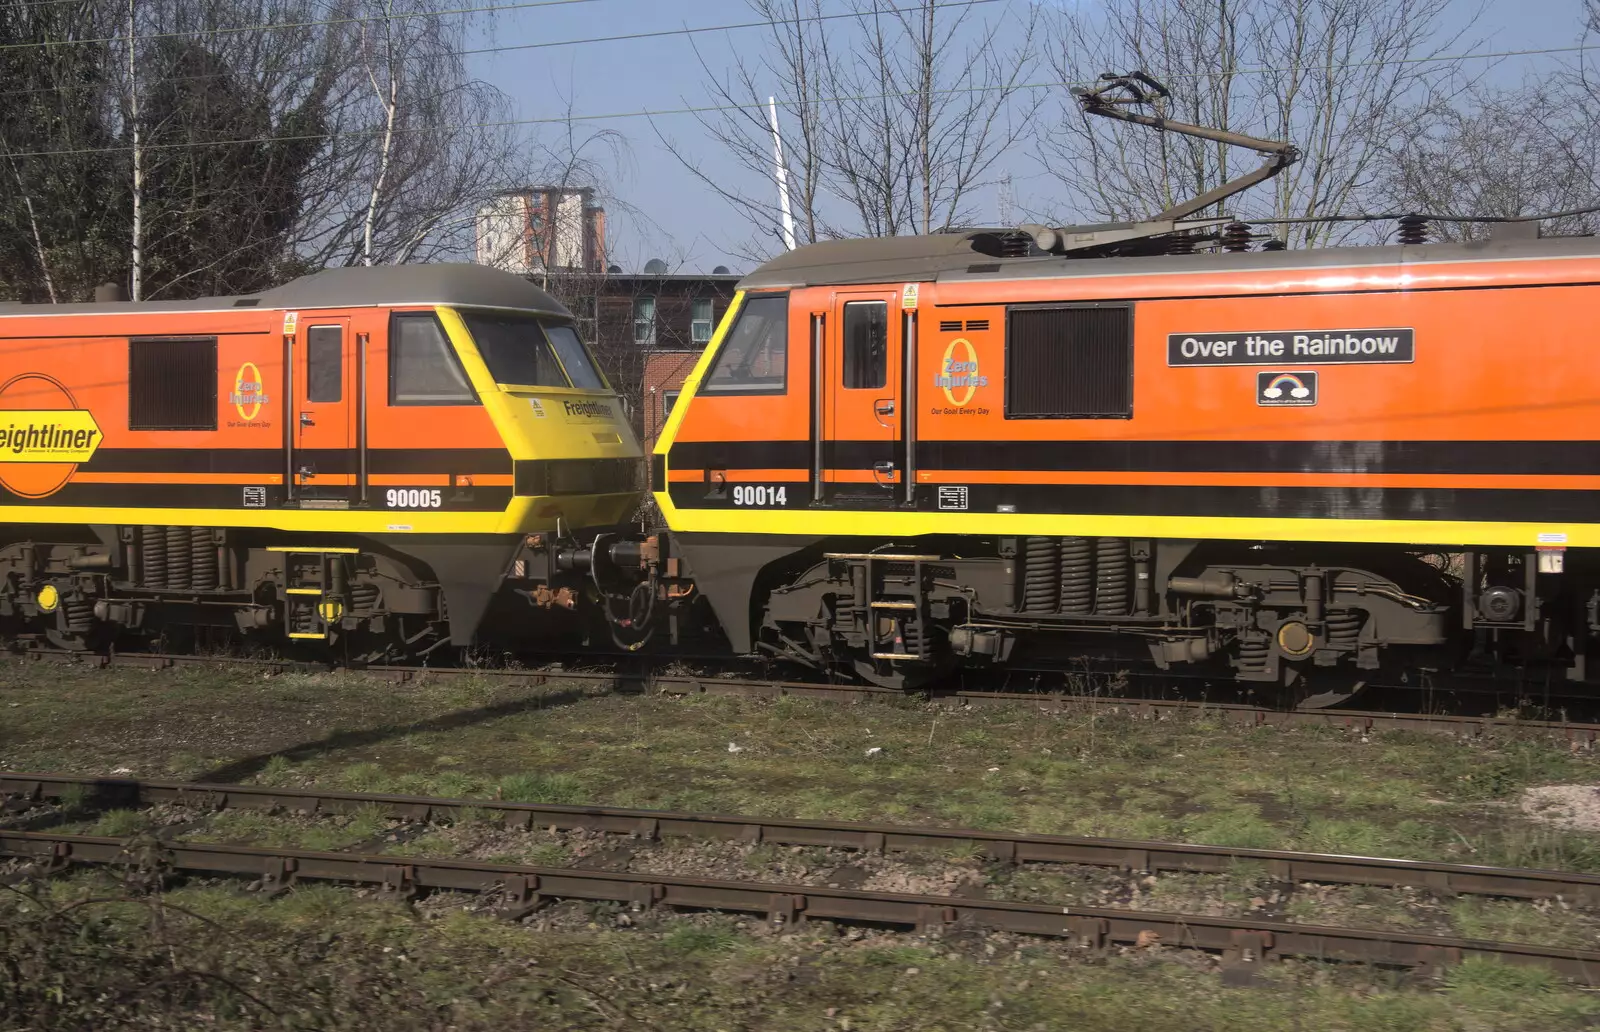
(646, 328)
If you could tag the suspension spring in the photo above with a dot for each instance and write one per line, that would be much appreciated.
(78, 613)
(1041, 574)
(153, 557)
(1253, 653)
(203, 553)
(1344, 627)
(178, 557)
(1077, 575)
(363, 597)
(1111, 576)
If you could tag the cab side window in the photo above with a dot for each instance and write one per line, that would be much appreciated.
(423, 368)
(866, 344)
(754, 358)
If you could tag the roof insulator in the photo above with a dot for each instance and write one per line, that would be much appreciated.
(1413, 229)
(1275, 245)
(1236, 236)
(1180, 243)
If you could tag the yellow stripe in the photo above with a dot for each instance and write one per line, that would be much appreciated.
(820, 522)
(312, 549)
(691, 383)
(319, 637)
(302, 591)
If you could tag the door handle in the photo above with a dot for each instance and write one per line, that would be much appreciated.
(306, 420)
(883, 408)
(306, 472)
(884, 468)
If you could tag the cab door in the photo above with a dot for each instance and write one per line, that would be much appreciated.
(324, 412)
(862, 451)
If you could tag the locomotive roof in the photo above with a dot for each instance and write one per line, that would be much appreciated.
(956, 257)
(454, 284)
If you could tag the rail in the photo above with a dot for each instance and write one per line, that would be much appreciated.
(23, 790)
(521, 889)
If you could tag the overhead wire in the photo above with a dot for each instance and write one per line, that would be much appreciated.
(510, 47)
(716, 108)
(282, 26)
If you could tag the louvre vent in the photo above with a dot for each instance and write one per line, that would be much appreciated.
(950, 326)
(172, 384)
(1069, 363)
(977, 324)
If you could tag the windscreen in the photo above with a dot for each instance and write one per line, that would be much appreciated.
(528, 351)
(755, 356)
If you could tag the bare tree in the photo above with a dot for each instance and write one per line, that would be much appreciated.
(894, 116)
(1345, 80)
(1505, 153)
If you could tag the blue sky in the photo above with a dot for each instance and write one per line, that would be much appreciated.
(684, 222)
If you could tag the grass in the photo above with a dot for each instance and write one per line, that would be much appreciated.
(1188, 777)
(324, 958)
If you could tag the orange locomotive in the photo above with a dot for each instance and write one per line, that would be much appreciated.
(1299, 468)
(366, 457)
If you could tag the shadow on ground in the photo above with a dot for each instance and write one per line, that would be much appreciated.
(238, 770)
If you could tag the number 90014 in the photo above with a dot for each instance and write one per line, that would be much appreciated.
(760, 494)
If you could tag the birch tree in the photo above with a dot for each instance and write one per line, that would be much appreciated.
(894, 116)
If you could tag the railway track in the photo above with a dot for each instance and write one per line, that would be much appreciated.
(519, 890)
(693, 684)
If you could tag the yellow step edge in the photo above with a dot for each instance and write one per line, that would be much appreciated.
(302, 591)
(314, 551)
(319, 637)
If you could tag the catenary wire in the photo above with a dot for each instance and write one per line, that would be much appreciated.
(715, 108)
(283, 26)
(510, 47)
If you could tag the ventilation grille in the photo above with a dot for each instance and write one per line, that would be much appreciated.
(172, 384)
(950, 326)
(983, 268)
(977, 324)
(1069, 363)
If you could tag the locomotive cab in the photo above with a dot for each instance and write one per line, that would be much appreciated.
(374, 459)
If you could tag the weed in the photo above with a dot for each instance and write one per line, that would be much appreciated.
(556, 789)
(551, 854)
(121, 823)
(276, 771)
(699, 938)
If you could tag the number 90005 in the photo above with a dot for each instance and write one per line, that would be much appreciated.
(413, 498)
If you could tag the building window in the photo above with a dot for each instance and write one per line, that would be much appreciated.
(644, 321)
(700, 321)
(668, 399)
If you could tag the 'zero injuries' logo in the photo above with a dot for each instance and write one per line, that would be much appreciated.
(958, 373)
(44, 435)
(249, 393)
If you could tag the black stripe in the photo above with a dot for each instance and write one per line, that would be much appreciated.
(270, 460)
(231, 496)
(1570, 458)
(1490, 505)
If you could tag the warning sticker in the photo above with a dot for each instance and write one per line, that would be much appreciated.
(1302, 347)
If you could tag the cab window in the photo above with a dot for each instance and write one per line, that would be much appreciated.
(423, 369)
(532, 352)
(754, 358)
